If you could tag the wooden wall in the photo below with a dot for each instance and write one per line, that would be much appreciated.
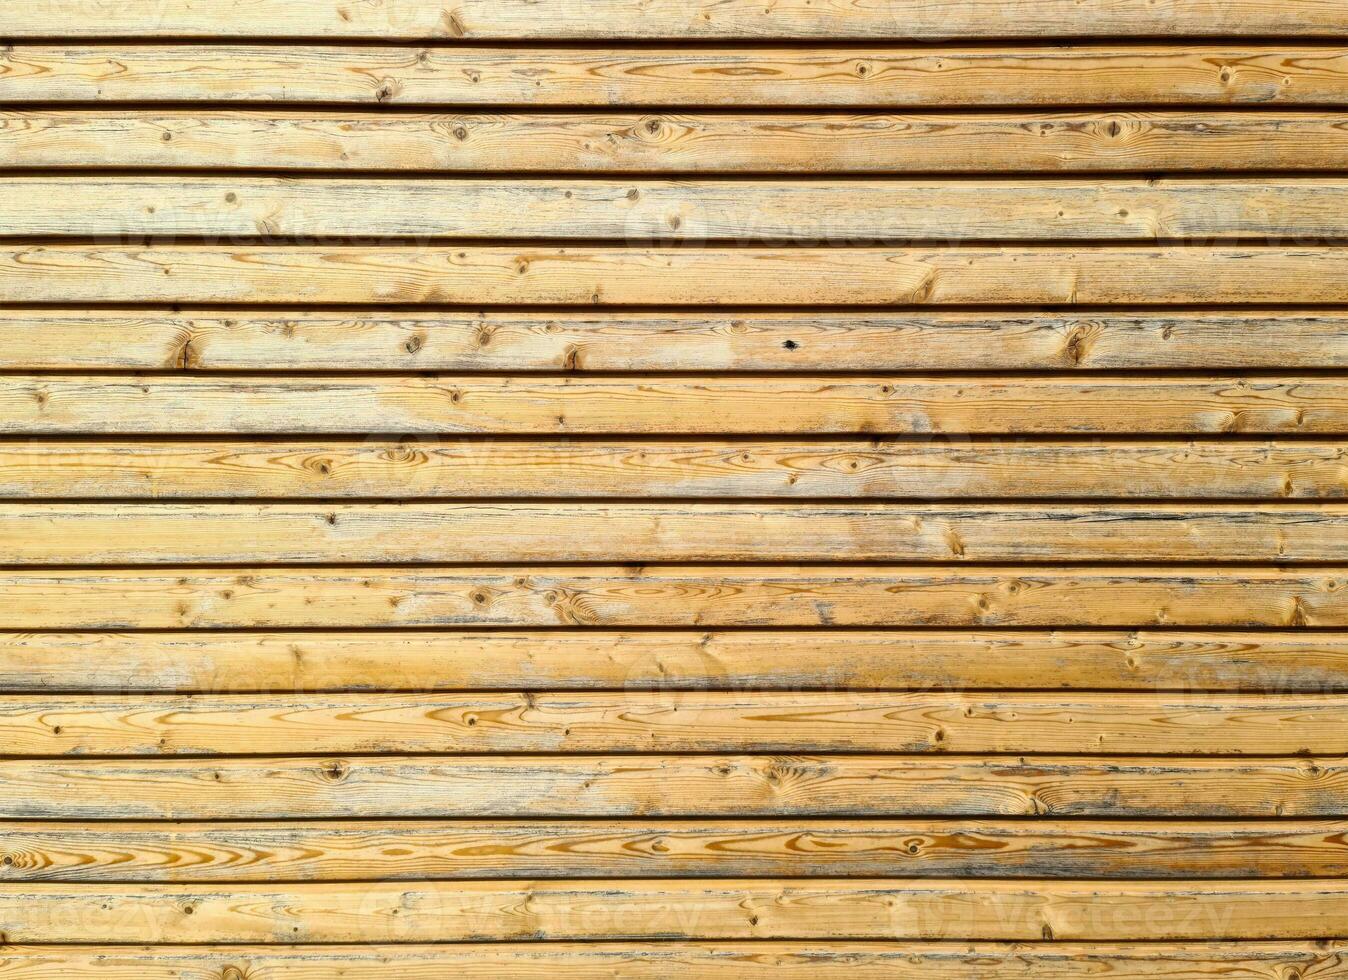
(830, 489)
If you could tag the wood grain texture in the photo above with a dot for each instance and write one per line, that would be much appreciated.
(684, 721)
(521, 342)
(1112, 140)
(738, 660)
(191, 534)
(386, 786)
(681, 489)
(682, 961)
(660, 909)
(694, 212)
(447, 468)
(546, 20)
(816, 404)
(711, 276)
(449, 850)
(695, 596)
(879, 76)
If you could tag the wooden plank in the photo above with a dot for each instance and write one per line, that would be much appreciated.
(192, 533)
(549, 20)
(672, 909)
(356, 787)
(708, 596)
(247, 662)
(675, 721)
(679, 961)
(884, 77)
(448, 850)
(1146, 141)
(448, 468)
(606, 276)
(642, 211)
(523, 341)
(826, 404)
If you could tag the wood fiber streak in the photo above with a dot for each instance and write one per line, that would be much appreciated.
(699, 596)
(389, 786)
(201, 853)
(642, 211)
(710, 276)
(821, 909)
(685, 961)
(245, 662)
(850, 405)
(292, 340)
(546, 20)
(630, 721)
(186, 534)
(803, 142)
(1291, 74)
(881, 469)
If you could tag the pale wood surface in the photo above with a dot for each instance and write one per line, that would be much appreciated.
(683, 961)
(640, 211)
(675, 660)
(462, 467)
(681, 721)
(601, 275)
(1288, 73)
(1026, 141)
(520, 342)
(546, 20)
(823, 908)
(681, 596)
(930, 405)
(388, 786)
(190, 534)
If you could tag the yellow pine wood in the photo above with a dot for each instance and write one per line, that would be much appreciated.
(230, 853)
(759, 142)
(675, 721)
(655, 467)
(387, 786)
(681, 961)
(880, 76)
(176, 534)
(642, 211)
(671, 660)
(714, 275)
(684, 596)
(546, 20)
(823, 908)
(523, 341)
(437, 405)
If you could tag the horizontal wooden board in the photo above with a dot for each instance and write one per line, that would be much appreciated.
(607, 275)
(1117, 140)
(191, 533)
(386, 786)
(824, 908)
(823, 404)
(445, 467)
(523, 341)
(940, 660)
(328, 598)
(884, 77)
(547, 20)
(448, 850)
(643, 212)
(680, 961)
(675, 721)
